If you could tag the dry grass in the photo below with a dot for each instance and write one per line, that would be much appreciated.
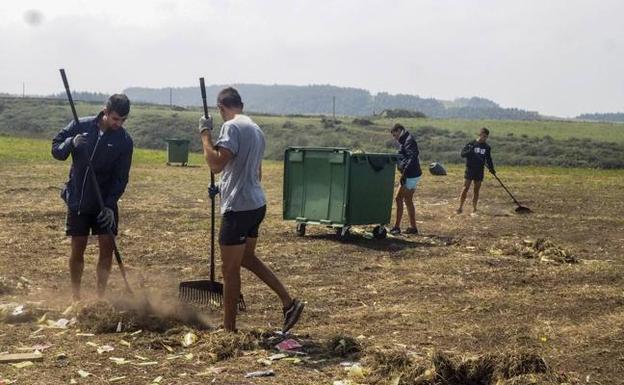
(449, 290)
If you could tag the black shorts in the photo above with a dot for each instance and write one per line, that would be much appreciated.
(85, 224)
(472, 174)
(237, 226)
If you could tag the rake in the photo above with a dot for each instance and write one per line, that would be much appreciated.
(207, 292)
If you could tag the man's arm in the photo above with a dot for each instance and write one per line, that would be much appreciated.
(62, 144)
(120, 177)
(465, 152)
(411, 153)
(216, 157)
(489, 162)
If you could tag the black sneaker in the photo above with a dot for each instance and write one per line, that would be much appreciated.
(291, 314)
(395, 231)
(411, 230)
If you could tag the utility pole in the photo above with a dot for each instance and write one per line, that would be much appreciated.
(170, 97)
(334, 108)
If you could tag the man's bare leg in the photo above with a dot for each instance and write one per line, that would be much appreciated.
(475, 196)
(399, 206)
(231, 260)
(408, 197)
(76, 263)
(105, 261)
(462, 196)
(252, 263)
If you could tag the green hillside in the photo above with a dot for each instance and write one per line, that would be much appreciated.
(562, 143)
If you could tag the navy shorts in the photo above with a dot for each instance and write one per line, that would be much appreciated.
(85, 224)
(237, 226)
(472, 174)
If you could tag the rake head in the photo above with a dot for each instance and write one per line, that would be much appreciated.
(523, 210)
(205, 293)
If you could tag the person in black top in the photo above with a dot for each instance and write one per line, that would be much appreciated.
(104, 141)
(478, 155)
(409, 166)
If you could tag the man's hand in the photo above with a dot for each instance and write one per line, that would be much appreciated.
(79, 140)
(205, 124)
(213, 191)
(106, 218)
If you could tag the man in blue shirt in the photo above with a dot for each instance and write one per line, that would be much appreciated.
(104, 141)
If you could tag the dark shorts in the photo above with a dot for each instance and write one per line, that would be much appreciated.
(85, 224)
(472, 174)
(237, 226)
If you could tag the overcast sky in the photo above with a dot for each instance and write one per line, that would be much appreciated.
(559, 57)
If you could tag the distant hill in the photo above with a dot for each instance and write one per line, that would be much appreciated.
(607, 117)
(318, 99)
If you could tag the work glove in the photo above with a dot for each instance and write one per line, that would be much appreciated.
(213, 191)
(106, 218)
(79, 140)
(205, 124)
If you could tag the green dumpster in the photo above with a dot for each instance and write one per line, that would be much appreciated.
(338, 188)
(177, 151)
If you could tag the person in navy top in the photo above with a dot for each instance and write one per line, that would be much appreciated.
(478, 155)
(104, 141)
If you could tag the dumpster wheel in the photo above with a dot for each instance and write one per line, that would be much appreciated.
(343, 233)
(380, 232)
(301, 229)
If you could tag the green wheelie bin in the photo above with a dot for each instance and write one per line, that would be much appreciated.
(177, 151)
(338, 188)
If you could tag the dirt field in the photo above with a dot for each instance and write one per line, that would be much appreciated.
(418, 309)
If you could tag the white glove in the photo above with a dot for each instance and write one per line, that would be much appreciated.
(205, 124)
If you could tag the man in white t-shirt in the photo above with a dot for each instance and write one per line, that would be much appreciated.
(237, 154)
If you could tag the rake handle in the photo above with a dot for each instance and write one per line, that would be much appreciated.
(508, 192)
(202, 86)
(96, 185)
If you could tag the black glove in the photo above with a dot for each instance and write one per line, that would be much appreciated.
(106, 218)
(79, 140)
(213, 191)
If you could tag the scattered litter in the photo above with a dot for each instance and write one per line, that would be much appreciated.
(189, 356)
(61, 323)
(157, 380)
(288, 345)
(264, 361)
(136, 332)
(261, 373)
(83, 373)
(115, 379)
(125, 343)
(85, 335)
(147, 363)
(21, 357)
(61, 356)
(72, 381)
(189, 339)
(167, 347)
(92, 344)
(355, 372)
(105, 349)
(293, 360)
(174, 356)
(23, 364)
(277, 356)
(68, 310)
(118, 330)
(141, 358)
(119, 360)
